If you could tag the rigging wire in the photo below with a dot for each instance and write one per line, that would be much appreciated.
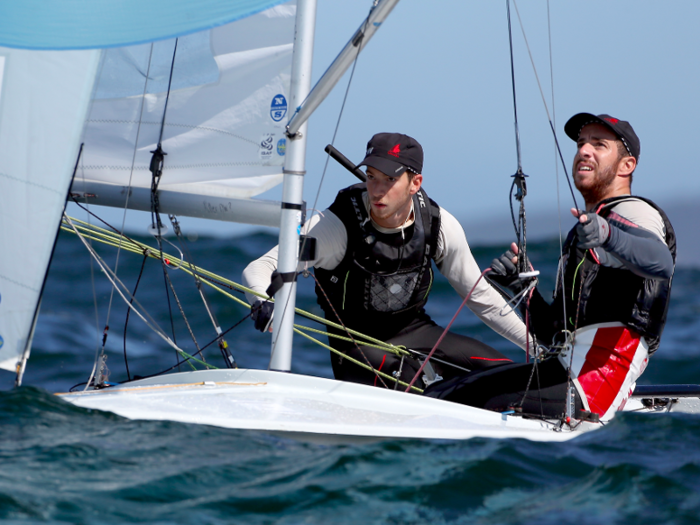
(156, 168)
(546, 108)
(128, 311)
(223, 345)
(126, 205)
(121, 288)
(560, 273)
(99, 234)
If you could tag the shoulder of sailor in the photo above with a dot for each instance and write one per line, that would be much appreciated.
(636, 213)
(331, 239)
(452, 239)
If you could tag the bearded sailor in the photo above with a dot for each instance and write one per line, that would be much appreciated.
(612, 294)
(375, 246)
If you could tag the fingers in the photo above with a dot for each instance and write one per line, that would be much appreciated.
(514, 248)
(509, 261)
(579, 214)
(497, 267)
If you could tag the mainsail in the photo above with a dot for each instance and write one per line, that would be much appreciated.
(224, 126)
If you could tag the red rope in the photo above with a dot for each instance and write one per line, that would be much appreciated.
(446, 329)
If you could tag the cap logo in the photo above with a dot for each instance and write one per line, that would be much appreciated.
(612, 120)
(369, 150)
(395, 151)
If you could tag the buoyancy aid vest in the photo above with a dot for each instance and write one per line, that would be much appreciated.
(384, 279)
(615, 294)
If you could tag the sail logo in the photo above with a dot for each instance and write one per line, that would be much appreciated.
(266, 145)
(278, 108)
(281, 147)
(271, 149)
(2, 341)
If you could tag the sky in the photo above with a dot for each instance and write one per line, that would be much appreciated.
(440, 72)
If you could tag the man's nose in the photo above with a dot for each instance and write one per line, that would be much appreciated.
(377, 188)
(585, 149)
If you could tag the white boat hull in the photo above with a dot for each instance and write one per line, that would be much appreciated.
(325, 409)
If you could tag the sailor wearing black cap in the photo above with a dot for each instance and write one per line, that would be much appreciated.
(375, 248)
(612, 292)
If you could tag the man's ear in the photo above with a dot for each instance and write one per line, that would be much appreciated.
(416, 182)
(626, 166)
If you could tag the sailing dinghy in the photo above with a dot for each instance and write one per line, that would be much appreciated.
(219, 102)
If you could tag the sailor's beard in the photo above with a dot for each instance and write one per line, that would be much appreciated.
(598, 191)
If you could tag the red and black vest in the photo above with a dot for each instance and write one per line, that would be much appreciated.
(383, 281)
(602, 294)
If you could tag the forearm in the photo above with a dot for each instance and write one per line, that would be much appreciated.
(457, 263)
(640, 251)
(331, 242)
(258, 274)
(492, 309)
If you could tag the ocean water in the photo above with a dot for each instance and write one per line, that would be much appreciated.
(62, 464)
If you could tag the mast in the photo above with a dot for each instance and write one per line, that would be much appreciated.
(293, 190)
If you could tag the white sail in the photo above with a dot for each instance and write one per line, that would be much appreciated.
(226, 111)
(44, 96)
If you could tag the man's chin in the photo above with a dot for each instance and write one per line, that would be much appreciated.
(379, 213)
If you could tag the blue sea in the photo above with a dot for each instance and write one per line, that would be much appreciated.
(62, 464)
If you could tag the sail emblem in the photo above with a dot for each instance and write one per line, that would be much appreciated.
(395, 151)
(278, 108)
(281, 147)
(266, 147)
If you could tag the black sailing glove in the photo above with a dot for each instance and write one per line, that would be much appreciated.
(594, 232)
(261, 313)
(505, 274)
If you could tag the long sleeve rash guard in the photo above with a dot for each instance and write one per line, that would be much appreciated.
(453, 259)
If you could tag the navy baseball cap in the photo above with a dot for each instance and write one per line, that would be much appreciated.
(393, 153)
(621, 128)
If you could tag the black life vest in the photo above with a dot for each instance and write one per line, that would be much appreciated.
(383, 281)
(615, 294)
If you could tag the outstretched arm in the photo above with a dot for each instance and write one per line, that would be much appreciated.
(637, 249)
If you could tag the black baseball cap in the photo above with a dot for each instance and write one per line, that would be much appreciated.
(393, 153)
(621, 128)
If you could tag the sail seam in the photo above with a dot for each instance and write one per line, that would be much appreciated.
(181, 166)
(19, 283)
(29, 183)
(190, 126)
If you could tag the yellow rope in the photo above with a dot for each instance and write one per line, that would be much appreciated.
(98, 234)
(359, 363)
